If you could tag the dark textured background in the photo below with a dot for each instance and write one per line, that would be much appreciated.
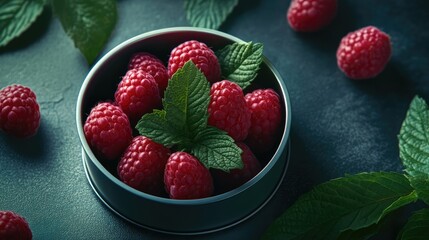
(339, 126)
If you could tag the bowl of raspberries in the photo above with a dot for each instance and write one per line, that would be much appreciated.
(184, 130)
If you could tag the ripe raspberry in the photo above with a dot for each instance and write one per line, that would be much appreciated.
(364, 53)
(311, 15)
(142, 165)
(14, 227)
(225, 181)
(228, 110)
(19, 111)
(264, 105)
(137, 94)
(186, 178)
(107, 131)
(201, 55)
(152, 65)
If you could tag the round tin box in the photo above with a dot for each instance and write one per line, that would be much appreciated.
(169, 215)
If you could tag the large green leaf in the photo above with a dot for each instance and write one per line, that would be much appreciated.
(352, 203)
(16, 16)
(88, 23)
(417, 227)
(414, 146)
(208, 13)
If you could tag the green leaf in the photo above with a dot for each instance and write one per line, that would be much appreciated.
(16, 16)
(414, 146)
(155, 126)
(417, 227)
(186, 100)
(240, 62)
(215, 149)
(88, 23)
(208, 13)
(349, 203)
(360, 234)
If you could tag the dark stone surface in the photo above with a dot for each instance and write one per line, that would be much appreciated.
(339, 126)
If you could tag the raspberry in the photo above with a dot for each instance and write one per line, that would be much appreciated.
(186, 178)
(311, 15)
(19, 111)
(225, 181)
(364, 53)
(14, 227)
(137, 94)
(107, 131)
(201, 55)
(142, 165)
(228, 110)
(152, 65)
(264, 105)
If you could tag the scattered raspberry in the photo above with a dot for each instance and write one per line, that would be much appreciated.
(311, 15)
(364, 53)
(142, 165)
(201, 55)
(107, 131)
(19, 111)
(152, 65)
(264, 105)
(14, 227)
(186, 178)
(236, 177)
(137, 94)
(228, 110)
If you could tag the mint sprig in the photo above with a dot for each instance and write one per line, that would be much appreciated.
(182, 124)
(348, 203)
(354, 206)
(240, 62)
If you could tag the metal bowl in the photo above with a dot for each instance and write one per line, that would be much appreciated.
(169, 215)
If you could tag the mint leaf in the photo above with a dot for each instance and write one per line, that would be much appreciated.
(16, 16)
(216, 149)
(363, 233)
(88, 23)
(240, 62)
(414, 146)
(349, 203)
(154, 126)
(186, 100)
(417, 226)
(208, 13)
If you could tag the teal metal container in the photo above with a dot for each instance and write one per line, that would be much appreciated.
(169, 215)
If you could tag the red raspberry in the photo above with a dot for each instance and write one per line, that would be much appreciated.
(152, 65)
(19, 111)
(228, 110)
(311, 15)
(201, 55)
(225, 181)
(364, 53)
(107, 131)
(186, 178)
(137, 94)
(264, 105)
(14, 227)
(142, 165)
